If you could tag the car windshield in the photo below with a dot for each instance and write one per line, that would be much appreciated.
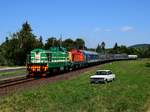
(101, 73)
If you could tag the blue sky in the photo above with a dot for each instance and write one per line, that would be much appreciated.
(126, 22)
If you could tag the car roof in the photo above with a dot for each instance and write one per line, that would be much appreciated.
(103, 70)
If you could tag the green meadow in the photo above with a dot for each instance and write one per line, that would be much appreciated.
(13, 73)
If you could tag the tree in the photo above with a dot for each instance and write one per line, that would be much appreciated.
(79, 43)
(6, 39)
(148, 52)
(27, 39)
(68, 43)
(3, 60)
(115, 48)
(103, 46)
(16, 48)
(50, 42)
(123, 49)
(40, 42)
(98, 49)
(8, 48)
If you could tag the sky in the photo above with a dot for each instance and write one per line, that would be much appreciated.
(126, 22)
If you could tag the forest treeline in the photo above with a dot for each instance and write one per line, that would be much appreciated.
(14, 50)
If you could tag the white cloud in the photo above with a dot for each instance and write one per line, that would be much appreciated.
(102, 30)
(107, 30)
(97, 29)
(127, 28)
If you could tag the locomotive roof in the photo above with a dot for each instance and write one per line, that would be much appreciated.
(39, 50)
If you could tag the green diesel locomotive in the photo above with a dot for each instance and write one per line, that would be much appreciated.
(46, 61)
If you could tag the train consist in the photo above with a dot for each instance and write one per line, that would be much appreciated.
(43, 62)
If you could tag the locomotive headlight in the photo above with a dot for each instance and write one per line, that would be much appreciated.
(46, 67)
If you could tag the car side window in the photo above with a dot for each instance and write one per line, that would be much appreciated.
(109, 72)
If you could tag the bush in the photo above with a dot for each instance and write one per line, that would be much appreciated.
(3, 61)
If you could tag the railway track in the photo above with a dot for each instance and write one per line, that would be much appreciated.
(14, 81)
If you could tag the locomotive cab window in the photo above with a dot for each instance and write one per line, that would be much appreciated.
(48, 56)
(37, 52)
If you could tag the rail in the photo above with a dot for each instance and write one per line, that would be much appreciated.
(14, 81)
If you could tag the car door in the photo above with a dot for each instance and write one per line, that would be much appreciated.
(110, 75)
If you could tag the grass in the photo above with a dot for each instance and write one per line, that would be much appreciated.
(130, 92)
(3, 66)
(148, 64)
(13, 73)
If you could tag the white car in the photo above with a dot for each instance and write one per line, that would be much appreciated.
(102, 76)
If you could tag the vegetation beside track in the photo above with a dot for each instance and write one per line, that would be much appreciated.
(130, 92)
(10, 66)
(3, 66)
(13, 73)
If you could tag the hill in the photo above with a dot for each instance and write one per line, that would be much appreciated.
(140, 46)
